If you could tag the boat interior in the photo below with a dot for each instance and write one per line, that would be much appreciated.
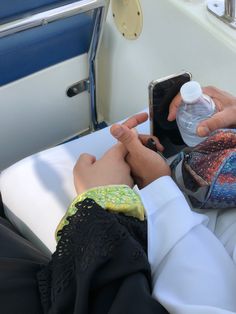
(69, 69)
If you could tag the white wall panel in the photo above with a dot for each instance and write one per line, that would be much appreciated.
(177, 34)
(35, 112)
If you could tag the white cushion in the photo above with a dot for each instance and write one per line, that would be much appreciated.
(37, 190)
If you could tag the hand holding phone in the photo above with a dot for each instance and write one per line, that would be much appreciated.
(161, 93)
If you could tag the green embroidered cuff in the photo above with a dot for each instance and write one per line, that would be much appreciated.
(114, 198)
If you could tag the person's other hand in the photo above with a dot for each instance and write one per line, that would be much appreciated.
(224, 117)
(146, 165)
(110, 169)
(137, 119)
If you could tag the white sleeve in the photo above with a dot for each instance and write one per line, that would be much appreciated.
(191, 270)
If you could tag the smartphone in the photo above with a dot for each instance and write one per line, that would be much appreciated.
(161, 93)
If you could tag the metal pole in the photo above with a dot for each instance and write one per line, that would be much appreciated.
(49, 16)
(230, 9)
(223, 10)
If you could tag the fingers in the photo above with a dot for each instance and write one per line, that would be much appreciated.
(121, 150)
(211, 91)
(136, 120)
(215, 92)
(219, 96)
(117, 151)
(220, 120)
(86, 159)
(145, 137)
(224, 98)
(126, 136)
(84, 162)
(174, 105)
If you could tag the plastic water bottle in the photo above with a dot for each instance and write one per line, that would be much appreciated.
(195, 107)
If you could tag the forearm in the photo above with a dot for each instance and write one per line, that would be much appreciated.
(192, 272)
(114, 198)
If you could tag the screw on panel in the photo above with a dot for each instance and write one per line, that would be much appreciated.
(44, 22)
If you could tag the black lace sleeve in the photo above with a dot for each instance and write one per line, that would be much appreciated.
(100, 266)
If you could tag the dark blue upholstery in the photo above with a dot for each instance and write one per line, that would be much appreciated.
(26, 52)
(10, 9)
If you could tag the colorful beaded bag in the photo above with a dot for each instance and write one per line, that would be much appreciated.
(206, 173)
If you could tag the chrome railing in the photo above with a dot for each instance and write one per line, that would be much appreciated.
(224, 10)
(99, 20)
(49, 16)
(230, 9)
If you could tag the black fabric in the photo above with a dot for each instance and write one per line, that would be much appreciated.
(19, 264)
(100, 266)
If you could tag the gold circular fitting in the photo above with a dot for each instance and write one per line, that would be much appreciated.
(128, 17)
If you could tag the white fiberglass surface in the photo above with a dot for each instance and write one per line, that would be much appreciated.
(36, 113)
(37, 190)
(177, 35)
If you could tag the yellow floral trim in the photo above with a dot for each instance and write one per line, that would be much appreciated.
(114, 198)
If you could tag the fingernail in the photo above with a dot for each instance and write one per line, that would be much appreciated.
(170, 118)
(203, 131)
(118, 131)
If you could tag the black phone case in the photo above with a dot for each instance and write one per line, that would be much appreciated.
(167, 132)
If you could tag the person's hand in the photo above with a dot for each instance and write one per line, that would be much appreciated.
(110, 169)
(146, 165)
(137, 119)
(224, 117)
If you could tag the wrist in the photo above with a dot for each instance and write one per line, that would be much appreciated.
(166, 172)
(114, 198)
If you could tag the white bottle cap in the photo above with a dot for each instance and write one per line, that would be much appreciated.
(191, 91)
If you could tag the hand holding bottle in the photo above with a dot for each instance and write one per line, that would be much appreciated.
(224, 117)
(194, 108)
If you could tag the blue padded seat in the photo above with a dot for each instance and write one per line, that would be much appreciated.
(12, 9)
(27, 52)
